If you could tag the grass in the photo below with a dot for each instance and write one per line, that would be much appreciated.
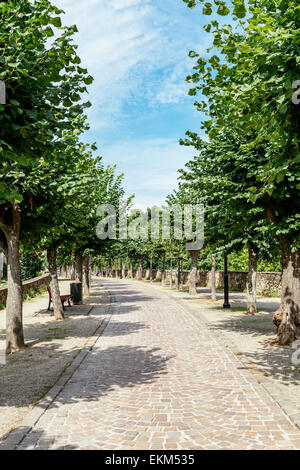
(35, 292)
(269, 293)
(262, 293)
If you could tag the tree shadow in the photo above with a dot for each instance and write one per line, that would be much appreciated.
(102, 372)
(38, 366)
(271, 358)
(254, 325)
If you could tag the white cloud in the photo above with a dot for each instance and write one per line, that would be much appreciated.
(134, 51)
(114, 37)
(150, 167)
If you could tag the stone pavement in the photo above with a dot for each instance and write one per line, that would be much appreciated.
(52, 347)
(157, 378)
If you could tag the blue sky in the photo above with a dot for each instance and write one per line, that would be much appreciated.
(137, 52)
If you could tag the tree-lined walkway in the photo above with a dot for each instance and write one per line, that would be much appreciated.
(158, 379)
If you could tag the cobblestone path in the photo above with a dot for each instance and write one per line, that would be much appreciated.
(158, 379)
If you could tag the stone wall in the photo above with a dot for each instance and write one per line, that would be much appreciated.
(237, 279)
(28, 286)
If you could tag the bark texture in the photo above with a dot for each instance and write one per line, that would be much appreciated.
(140, 269)
(86, 275)
(163, 272)
(151, 269)
(177, 279)
(287, 318)
(251, 281)
(213, 280)
(193, 272)
(78, 268)
(73, 273)
(14, 301)
(171, 273)
(131, 269)
(54, 287)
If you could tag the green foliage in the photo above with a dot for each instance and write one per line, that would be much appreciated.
(35, 292)
(269, 293)
(31, 265)
(247, 172)
(43, 83)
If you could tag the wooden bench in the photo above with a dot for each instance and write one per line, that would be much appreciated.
(63, 299)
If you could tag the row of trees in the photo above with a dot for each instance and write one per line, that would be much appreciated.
(246, 172)
(51, 183)
(163, 254)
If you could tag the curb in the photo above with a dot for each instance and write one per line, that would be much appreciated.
(16, 436)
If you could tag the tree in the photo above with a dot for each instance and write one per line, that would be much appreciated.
(218, 178)
(32, 264)
(44, 82)
(247, 86)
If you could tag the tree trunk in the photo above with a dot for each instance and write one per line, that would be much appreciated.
(131, 269)
(251, 281)
(163, 272)
(140, 269)
(73, 273)
(177, 277)
(79, 268)
(54, 287)
(1, 265)
(90, 271)
(171, 273)
(287, 318)
(9, 243)
(213, 280)
(86, 275)
(193, 272)
(14, 301)
(181, 273)
(151, 270)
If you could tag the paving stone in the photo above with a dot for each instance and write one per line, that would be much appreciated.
(158, 378)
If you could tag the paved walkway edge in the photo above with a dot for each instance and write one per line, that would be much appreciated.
(286, 405)
(16, 436)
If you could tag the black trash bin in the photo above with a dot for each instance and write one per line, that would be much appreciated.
(76, 292)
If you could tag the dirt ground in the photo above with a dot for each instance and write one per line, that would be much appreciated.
(51, 347)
